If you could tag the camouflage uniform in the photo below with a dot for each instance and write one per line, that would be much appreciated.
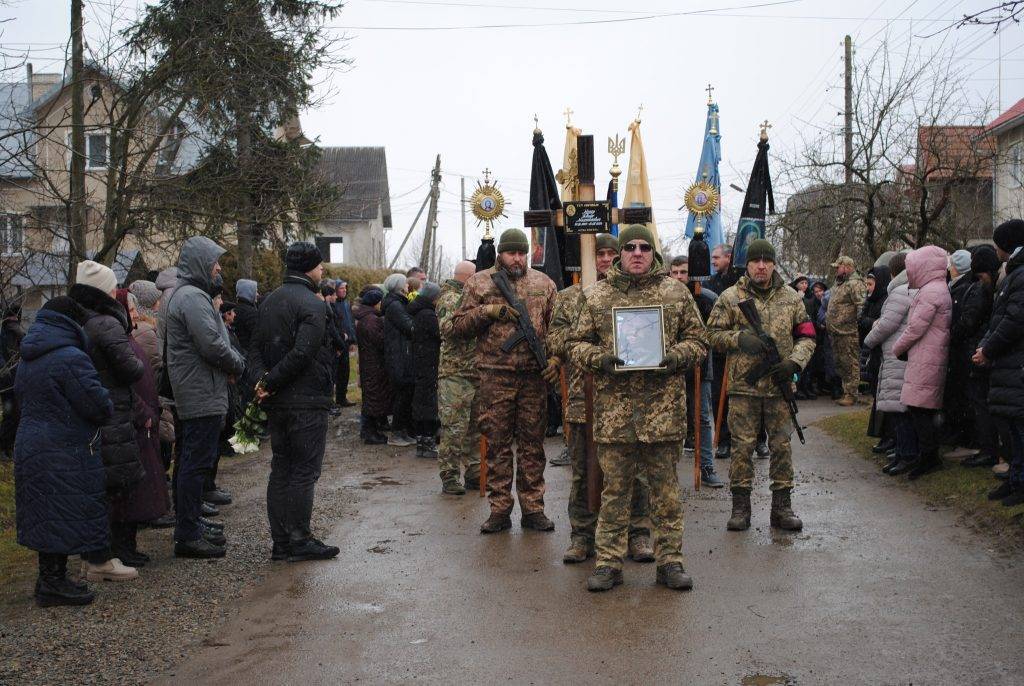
(512, 396)
(637, 421)
(845, 303)
(582, 521)
(785, 319)
(457, 384)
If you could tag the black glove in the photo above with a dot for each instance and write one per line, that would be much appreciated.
(784, 371)
(750, 343)
(606, 363)
(903, 357)
(671, 364)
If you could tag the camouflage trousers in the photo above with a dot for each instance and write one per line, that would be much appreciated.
(460, 430)
(620, 463)
(745, 414)
(513, 406)
(581, 519)
(846, 350)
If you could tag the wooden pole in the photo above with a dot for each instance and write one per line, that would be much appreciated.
(698, 415)
(721, 402)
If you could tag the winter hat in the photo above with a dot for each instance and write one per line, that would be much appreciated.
(513, 240)
(883, 259)
(395, 283)
(844, 261)
(898, 264)
(633, 232)
(64, 305)
(429, 290)
(984, 260)
(100, 277)
(326, 288)
(798, 279)
(961, 259)
(606, 240)
(248, 289)
(371, 297)
(302, 256)
(760, 249)
(1009, 236)
(227, 306)
(146, 293)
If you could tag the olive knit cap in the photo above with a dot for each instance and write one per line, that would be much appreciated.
(513, 240)
(606, 240)
(760, 250)
(633, 232)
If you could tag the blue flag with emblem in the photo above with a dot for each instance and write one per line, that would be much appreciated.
(707, 173)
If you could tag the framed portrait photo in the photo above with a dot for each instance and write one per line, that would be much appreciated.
(639, 334)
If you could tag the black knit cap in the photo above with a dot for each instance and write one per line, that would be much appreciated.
(371, 296)
(64, 305)
(302, 256)
(227, 306)
(1009, 235)
(984, 260)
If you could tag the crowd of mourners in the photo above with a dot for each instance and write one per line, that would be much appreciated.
(120, 399)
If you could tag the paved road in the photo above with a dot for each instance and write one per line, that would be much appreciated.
(877, 589)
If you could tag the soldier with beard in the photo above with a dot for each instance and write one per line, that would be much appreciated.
(513, 394)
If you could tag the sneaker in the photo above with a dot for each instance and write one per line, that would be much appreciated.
(604, 579)
(1001, 468)
(960, 453)
(199, 549)
(709, 478)
(111, 570)
(217, 497)
(312, 549)
(400, 439)
(538, 521)
(562, 459)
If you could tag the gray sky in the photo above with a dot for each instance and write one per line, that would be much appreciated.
(471, 94)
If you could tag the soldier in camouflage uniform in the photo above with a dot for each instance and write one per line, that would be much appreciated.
(457, 385)
(785, 319)
(513, 395)
(637, 420)
(581, 519)
(844, 306)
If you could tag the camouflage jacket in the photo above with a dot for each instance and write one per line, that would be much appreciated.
(534, 289)
(457, 354)
(567, 304)
(845, 304)
(638, 406)
(783, 317)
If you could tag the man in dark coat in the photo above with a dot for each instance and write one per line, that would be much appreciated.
(1002, 349)
(426, 352)
(398, 331)
(246, 315)
(60, 483)
(966, 334)
(373, 377)
(293, 360)
(959, 416)
(347, 324)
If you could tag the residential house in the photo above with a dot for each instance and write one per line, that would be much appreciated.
(1007, 132)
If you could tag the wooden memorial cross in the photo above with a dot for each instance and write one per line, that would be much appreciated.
(588, 217)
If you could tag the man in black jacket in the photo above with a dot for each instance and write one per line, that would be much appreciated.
(292, 359)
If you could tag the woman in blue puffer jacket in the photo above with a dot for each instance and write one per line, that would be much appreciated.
(59, 479)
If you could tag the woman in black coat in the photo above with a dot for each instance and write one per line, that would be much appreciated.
(398, 332)
(871, 359)
(373, 378)
(966, 334)
(59, 482)
(426, 346)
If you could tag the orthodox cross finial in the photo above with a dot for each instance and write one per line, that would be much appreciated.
(764, 129)
(639, 111)
(536, 123)
(487, 176)
(568, 117)
(710, 89)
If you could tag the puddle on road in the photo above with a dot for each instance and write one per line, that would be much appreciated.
(382, 480)
(766, 680)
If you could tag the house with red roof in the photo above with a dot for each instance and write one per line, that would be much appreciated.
(1007, 130)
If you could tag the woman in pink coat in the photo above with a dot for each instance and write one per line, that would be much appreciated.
(925, 344)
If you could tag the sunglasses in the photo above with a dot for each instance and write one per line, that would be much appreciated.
(633, 247)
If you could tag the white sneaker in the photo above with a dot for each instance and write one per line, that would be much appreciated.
(1001, 468)
(111, 570)
(960, 453)
(400, 439)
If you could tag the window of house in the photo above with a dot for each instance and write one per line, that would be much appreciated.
(1017, 163)
(337, 253)
(11, 234)
(97, 150)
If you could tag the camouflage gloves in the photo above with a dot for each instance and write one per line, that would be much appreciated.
(672, 363)
(750, 343)
(501, 313)
(606, 363)
(784, 371)
(550, 372)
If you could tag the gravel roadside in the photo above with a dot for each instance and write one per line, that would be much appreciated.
(136, 630)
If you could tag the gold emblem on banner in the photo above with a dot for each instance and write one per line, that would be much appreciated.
(487, 202)
(701, 199)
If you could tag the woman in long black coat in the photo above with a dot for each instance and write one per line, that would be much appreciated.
(398, 332)
(59, 481)
(871, 359)
(426, 349)
(373, 377)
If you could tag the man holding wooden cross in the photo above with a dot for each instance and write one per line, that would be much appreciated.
(637, 422)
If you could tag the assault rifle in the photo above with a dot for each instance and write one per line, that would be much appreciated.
(524, 327)
(772, 358)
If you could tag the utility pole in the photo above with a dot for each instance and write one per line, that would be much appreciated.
(77, 218)
(848, 110)
(430, 230)
(463, 184)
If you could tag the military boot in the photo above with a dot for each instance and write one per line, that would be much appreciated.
(640, 549)
(847, 401)
(450, 485)
(538, 521)
(604, 579)
(498, 521)
(578, 551)
(740, 520)
(472, 479)
(782, 511)
(674, 576)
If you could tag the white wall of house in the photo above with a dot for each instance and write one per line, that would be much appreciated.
(362, 241)
(1008, 190)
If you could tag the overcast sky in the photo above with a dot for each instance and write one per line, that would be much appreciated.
(470, 94)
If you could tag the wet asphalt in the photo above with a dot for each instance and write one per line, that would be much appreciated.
(879, 588)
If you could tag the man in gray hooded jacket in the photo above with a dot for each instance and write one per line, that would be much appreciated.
(201, 363)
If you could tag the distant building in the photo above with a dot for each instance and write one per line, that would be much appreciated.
(352, 232)
(1008, 188)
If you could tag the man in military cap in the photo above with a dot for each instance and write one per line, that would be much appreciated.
(457, 384)
(752, 406)
(844, 308)
(513, 394)
(581, 519)
(637, 421)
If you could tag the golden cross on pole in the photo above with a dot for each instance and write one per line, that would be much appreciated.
(639, 110)
(710, 89)
(568, 117)
(764, 130)
(487, 176)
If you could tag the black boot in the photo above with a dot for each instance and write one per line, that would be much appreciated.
(123, 544)
(883, 446)
(740, 520)
(782, 516)
(53, 587)
(926, 465)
